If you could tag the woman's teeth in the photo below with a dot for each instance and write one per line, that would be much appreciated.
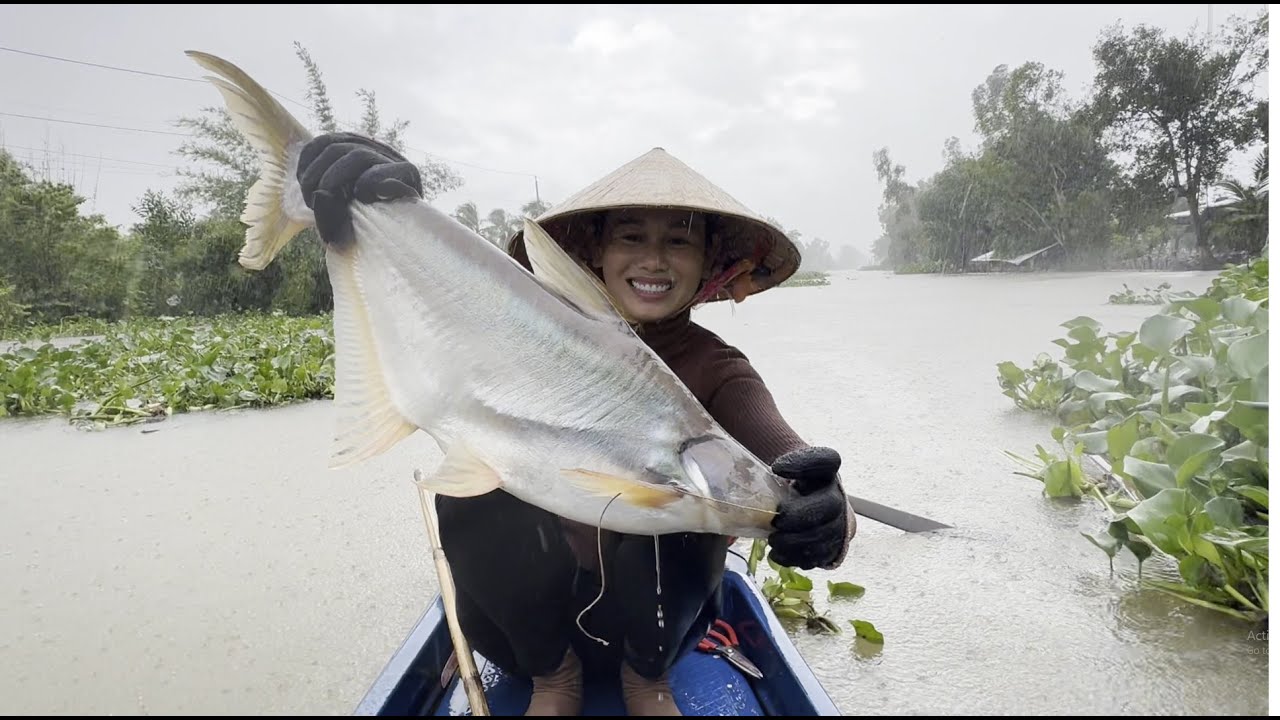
(648, 287)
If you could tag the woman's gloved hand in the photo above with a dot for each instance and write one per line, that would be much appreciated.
(812, 523)
(336, 168)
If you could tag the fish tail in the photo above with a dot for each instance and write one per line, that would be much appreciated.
(274, 210)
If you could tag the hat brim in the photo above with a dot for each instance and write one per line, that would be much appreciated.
(772, 256)
(750, 254)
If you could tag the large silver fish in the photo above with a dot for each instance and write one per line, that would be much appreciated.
(529, 382)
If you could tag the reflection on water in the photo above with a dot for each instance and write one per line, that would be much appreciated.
(217, 565)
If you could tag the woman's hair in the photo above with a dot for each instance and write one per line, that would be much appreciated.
(582, 235)
(726, 244)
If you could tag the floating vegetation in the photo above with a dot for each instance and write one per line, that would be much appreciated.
(147, 369)
(1178, 412)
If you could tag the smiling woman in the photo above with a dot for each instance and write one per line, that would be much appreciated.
(653, 262)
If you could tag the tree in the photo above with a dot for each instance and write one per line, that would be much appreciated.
(1044, 164)
(468, 215)
(955, 212)
(1009, 100)
(235, 164)
(55, 262)
(1180, 106)
(534, 208)
(228, 166)
(1245, 220)
(902, 242)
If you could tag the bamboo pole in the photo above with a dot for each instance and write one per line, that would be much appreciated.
(466, 662)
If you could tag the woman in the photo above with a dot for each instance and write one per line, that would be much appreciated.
(543, 596)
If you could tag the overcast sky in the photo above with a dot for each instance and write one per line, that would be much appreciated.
(782, 107)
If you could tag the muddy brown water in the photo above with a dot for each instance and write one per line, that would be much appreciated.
(213, 564)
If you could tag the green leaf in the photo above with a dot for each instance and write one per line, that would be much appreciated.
(1149, 477)
(1248, 357)
(1105, 542)
(1238, 310)
(1064, 478)
(1225, 512)
(867, 631)
(1160, 332)
(1164, 518)
(1202, 425)
(1253, 492)
(845, 589)
(1082, 321)
(1011, 373)
(1196, 365)
(757, 554)
(1124, 339)
(1140, 550)
(1098, 401)
(1260, 383)
(1088, 380)
(1095, 443)
(1205, 308)
(1250, 421)
(1191, 453)
(798, 582)
(772, 588)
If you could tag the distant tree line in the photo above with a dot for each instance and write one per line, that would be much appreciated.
(1097, 175)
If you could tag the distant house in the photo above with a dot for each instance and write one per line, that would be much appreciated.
(1034, 260)
(1184, 234)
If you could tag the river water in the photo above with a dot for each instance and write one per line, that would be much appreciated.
(211, 563)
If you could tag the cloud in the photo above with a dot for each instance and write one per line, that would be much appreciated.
(783, 106)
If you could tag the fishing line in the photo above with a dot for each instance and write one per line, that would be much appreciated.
(600, 555)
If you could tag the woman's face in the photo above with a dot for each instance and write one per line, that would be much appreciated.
(652, 260)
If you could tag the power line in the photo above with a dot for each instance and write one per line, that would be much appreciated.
(131, 70)
(98, 125)
(349, 126)
(91, 157)
(100, 65)
(180, 134)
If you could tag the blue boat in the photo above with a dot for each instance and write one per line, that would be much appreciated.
(420, 679)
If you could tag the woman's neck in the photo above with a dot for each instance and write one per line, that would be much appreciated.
(667, 335)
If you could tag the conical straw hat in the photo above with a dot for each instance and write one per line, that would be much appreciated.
(741, 238)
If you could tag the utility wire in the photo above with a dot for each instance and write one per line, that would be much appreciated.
(97, 125)
(201, 80)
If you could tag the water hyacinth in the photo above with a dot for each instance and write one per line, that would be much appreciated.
(1176, 415)
(147, 369)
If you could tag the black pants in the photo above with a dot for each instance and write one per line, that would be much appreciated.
(520, 589)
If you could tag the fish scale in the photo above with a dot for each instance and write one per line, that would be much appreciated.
(533, 383)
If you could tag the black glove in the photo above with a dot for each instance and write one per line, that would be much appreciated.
(337, 167)
(811, 523)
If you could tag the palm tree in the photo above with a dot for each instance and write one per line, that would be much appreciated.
(1244, 221)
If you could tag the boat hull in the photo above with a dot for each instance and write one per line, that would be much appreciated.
(420, 680)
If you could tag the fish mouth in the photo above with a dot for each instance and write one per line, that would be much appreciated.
(650, 287)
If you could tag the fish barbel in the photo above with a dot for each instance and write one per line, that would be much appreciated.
(532, 383)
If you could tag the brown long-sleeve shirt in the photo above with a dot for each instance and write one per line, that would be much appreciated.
(733, 393)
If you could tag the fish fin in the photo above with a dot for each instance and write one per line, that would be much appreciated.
(274, 210)
(633, 492)
(369, 419)
(567, 277)
(462, 474)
